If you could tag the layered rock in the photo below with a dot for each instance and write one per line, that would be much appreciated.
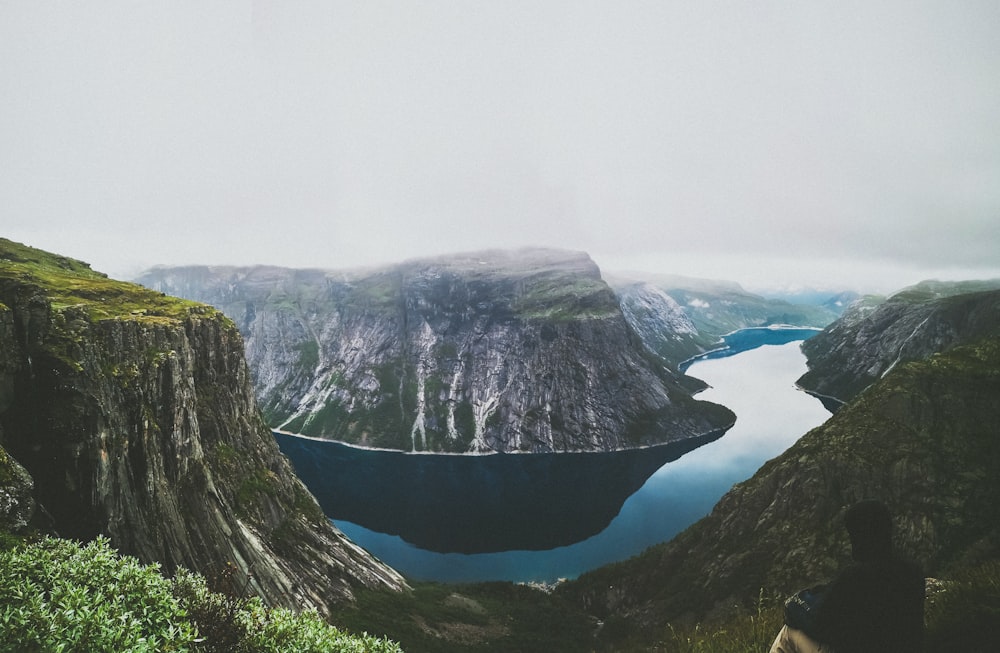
(134, 414)
(874, 335)
(492, 351)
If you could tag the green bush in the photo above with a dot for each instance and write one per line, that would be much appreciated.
(232, 623)
(60, 596)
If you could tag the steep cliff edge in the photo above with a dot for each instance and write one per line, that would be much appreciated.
(922, 439)
(134, 415)
(492, 351)
(873, 336)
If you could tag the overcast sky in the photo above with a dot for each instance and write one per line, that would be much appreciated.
(847, 143)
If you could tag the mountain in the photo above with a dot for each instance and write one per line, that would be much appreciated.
(129, 414)
(875, 335)
(680, 317)
(922, 438)
(523, 350)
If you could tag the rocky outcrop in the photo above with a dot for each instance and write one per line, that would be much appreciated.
(134, 415)
(922, 439)
(875, 335)
(492, 351)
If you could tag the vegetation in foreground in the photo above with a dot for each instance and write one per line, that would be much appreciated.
(57, 595)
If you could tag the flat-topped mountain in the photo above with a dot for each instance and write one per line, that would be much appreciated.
(524, 350)
(129, 414)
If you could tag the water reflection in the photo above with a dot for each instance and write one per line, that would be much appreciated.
(476, 504)
(772, 413)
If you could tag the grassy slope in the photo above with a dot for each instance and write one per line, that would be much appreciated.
(71, 283)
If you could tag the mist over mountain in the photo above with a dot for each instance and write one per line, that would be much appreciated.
(523, 350)
(680, 317)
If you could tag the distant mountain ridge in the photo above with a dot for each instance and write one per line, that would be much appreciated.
(525, 350)
(875, 335)
(681, 317)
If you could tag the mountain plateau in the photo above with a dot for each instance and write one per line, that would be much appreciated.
(496, 351)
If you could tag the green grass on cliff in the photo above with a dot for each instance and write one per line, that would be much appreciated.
(66, 283)
(57, 595)
(558, 297)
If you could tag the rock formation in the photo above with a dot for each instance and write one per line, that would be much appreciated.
(874, 336)
(134, 415)
(492, 351)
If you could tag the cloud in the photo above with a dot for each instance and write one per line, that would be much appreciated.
(659, 134)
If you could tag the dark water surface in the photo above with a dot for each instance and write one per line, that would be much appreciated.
(539, 517)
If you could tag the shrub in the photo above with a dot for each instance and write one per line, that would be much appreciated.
(231, 622)
(57, 595)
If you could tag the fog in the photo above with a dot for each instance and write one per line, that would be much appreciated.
(846, 144)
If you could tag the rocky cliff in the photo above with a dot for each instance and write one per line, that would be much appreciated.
(134, 415)
(874, 335)
(682, 317)
(491, 351)
(922, 439)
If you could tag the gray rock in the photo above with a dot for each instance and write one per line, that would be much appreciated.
(135, 417)
(492, 351)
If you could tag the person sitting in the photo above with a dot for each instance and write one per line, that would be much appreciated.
(876, 604)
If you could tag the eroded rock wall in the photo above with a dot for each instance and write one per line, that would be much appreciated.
(495, 351)
(145, 429)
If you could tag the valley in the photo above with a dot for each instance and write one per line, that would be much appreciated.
(134, 416)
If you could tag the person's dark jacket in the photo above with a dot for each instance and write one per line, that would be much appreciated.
(873, 606)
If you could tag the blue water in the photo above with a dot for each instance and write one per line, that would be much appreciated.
(610, 508)
(743, 340)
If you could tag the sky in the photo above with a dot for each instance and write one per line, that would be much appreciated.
(837, 144)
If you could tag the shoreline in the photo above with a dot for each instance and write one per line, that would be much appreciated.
(700, 439)
(683, 366)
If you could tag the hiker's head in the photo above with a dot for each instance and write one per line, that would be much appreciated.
(869, 526)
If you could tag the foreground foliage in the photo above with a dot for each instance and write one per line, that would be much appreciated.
(57, 595)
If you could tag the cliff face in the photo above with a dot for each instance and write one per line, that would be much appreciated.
(134, 415)
(874, 336)
(493, 351)
(922, 439)
(681, 317)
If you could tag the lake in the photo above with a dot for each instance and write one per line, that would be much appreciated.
(540, 517)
